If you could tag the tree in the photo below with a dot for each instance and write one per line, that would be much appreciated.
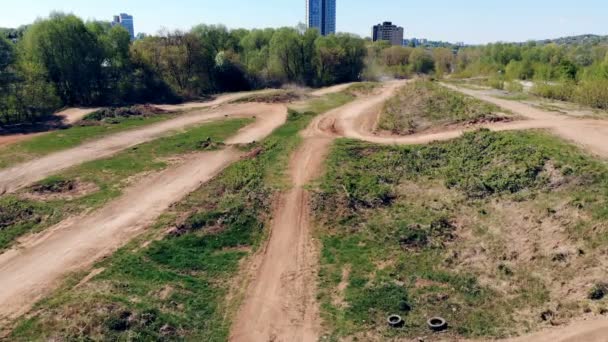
(69, 55)
(421, 61)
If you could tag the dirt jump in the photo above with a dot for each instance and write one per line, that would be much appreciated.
(36, 267)
(280, 300)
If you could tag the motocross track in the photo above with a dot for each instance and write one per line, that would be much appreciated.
(280, 301)
(73, 115)
(34, 268)
(21, 175)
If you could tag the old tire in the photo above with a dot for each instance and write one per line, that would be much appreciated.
(395, 321)
(437, 324)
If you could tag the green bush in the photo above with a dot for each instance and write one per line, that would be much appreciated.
(558, 91)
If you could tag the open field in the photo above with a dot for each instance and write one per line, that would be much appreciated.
(225, 219)
(486, 230)
(88, 186)
(499, 233)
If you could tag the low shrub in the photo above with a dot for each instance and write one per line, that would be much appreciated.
(123, 112)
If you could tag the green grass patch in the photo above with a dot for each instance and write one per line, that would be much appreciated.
(67, 138)
(176, 288)
(439, 230)
(422, 104)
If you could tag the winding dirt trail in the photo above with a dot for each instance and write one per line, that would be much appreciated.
(73, 115)
(21, 175)
(34, 268)
(592, 134)
(280, 303)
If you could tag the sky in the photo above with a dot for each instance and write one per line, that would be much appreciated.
(469, 21)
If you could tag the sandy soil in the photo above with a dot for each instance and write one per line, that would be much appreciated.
(330, 90)
(73, 115)
(589, 133)
(34, 268)
(18, 176)
(280, 302)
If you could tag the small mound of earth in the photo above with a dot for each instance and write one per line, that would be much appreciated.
(60, 190)
(287, 96)
(122, 112)
(489, 119)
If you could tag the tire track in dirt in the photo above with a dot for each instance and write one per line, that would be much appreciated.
(279, 303)
(36, 267)
(21, 175)
(592, 134)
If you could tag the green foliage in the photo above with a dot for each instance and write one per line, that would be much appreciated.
(422, 104)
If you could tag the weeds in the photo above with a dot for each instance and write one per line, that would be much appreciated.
(446, 242)
(422, 105)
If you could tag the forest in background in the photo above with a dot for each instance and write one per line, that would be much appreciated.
(63, 61)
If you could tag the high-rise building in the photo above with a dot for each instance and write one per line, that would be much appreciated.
(125, 21)
(389, 32)
(321, 14)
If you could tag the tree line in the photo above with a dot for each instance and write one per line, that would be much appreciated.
(63, 61)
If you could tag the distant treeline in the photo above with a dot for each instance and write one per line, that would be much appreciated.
(63, 61)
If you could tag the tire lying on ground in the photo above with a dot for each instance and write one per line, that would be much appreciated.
(395, 321)
(437, 324)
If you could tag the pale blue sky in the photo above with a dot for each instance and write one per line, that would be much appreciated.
(471, 21)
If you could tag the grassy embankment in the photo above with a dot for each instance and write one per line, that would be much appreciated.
(176, 287)
(499, 233)
(422, 105)
(94, 183)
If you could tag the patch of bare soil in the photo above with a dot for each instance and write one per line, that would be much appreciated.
(66, 190)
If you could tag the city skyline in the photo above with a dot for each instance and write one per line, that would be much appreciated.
(472, 21)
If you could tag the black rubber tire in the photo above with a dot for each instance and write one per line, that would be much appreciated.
(395, 321)
(437, 324)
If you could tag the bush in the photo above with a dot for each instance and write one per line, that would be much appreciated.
(593, 93)
(561, 91)
(124, 112)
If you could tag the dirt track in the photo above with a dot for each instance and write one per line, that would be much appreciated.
(32, 270)
(73, 115)
(279, 303)
(18, 176)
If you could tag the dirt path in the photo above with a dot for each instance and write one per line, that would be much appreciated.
(18, 176)
(280, 302)
(589, 133)
(73, 115)
(586, 331)
(333, 89)
(36, 267)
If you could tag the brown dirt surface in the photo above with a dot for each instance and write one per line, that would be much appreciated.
(34, 268)
(18, 176)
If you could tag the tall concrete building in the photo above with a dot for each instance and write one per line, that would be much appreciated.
(125, 21)
(321, 14)
(389, 32)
